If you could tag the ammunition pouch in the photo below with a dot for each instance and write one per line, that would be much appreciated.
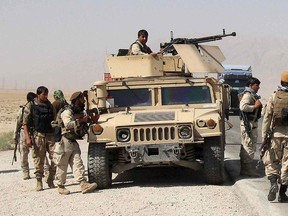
(57, 134)
(72, 136)
(284, 116)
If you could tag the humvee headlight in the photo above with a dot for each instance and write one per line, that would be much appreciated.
(185, 132)
(96, 129)
(211, 123)
(123, 135)
(201, 123)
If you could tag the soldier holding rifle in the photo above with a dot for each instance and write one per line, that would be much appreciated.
(74, 125)
(250, 109)
(19, 139)
(275, 126)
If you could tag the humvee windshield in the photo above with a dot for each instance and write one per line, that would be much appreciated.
(130, 97)
(186, 95)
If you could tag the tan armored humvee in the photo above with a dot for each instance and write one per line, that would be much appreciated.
(164, 111)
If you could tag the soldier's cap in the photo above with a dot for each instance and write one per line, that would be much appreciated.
(75, 95)
(284, 76)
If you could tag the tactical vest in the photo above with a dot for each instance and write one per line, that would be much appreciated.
(280, 111)
(42, 116)
(251, 116)
(144, 48)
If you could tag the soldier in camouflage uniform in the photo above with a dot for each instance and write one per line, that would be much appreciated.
(276, 156)
(19, 137)
(74, 126)
(39, 115)
(58, 103)
(250, 106)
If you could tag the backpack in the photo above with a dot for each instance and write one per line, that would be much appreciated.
(57, 124)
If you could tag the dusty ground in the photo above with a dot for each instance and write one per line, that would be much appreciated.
(9, 105)
(149, 192)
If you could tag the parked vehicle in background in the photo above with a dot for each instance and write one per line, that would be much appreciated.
(236, 76)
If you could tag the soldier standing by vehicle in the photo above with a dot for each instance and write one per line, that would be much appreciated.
(276, 120)
(58, 103)
(38, 116)
(74, 126)
(19, 138)
(139, 47)
(250, 111)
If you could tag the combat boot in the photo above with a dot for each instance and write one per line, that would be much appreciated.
(39, 186)
(273, 188)
(248, 170)
(50, 182)
(62, 190)
(87, 187)
(26, 176)
(282, 197)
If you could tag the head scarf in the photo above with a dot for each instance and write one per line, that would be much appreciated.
(58, 95)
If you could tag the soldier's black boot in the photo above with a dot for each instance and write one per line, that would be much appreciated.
(274, 188)
(282, 194)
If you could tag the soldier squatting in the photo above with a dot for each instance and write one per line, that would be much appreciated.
(34, 130)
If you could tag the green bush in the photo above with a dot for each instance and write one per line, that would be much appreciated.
(6, 141)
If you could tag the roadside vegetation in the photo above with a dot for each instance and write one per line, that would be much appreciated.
(6, 141)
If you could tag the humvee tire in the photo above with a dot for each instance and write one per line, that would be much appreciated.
(98, 166)
(213, 160)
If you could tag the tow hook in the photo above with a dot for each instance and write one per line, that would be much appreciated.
(177, 151)
(133, 152)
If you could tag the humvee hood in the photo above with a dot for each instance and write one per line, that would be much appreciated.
(152, 117)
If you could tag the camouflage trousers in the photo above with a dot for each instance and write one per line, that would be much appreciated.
(24, 151)
(248, 147)
(276, 159)
(43, 144)
(67, 152)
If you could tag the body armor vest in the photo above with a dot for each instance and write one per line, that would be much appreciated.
(280, 110)
(252, 115)
(144, 48)
(42, 116)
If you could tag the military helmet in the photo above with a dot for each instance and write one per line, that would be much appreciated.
(284, 76)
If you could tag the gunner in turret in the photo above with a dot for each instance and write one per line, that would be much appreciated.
(139, 47)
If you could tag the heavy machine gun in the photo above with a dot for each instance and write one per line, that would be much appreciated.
(169, 48)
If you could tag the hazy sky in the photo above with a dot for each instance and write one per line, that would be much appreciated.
(63, 43)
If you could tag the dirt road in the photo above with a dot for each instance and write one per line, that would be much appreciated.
(141, 192)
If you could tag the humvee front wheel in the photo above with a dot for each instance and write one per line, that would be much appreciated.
(98, 165)
(213, 160)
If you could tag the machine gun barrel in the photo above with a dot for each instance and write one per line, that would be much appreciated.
(209, 38)
(168, 47)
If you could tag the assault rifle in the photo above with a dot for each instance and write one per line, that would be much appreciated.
(267, 139)
(169, 48)
(266, 143)
(18, 128)
(16, 146)
(247, 125)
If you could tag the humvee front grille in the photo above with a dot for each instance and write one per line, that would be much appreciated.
(156, 134)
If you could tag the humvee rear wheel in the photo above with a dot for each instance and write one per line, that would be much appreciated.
(98, 165)
(213, 160)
